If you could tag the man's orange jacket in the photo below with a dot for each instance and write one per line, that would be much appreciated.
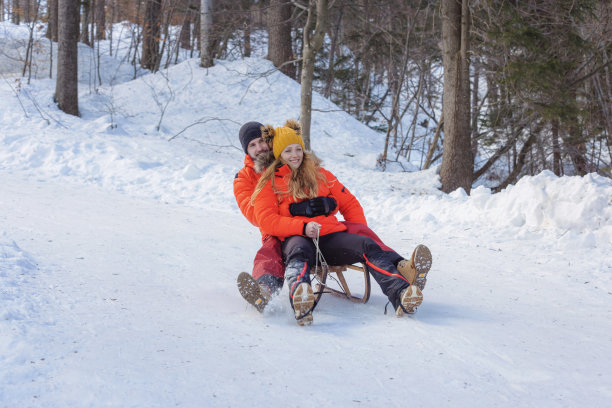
(244, 185)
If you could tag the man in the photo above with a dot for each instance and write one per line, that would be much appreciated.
(268, 268)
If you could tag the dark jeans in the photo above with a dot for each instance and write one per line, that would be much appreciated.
(341, 248)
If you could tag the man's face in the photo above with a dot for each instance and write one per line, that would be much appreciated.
(257, 147)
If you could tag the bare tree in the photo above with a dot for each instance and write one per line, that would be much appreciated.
(100, 17)
(52, 24)
(15, 13)
(279, 36)
(66, 90)
(457, 161)
(314, 33)
(246, 30)
(85, 21)
(206, 21)
(27, 66)
(150, 36)
(185, 34)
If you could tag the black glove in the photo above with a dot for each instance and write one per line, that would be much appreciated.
(313, 207)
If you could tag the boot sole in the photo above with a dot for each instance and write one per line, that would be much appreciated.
(250, 291)
(303, 301)
(422, 262)
(411, 299)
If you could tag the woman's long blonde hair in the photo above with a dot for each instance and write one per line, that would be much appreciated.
(303, 183)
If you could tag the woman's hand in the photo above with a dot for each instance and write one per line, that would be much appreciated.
(312, 229)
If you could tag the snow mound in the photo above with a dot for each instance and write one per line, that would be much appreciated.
(577, 204)
(16, 270)
(575, 210)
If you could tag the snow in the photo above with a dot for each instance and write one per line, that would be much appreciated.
(120, 245)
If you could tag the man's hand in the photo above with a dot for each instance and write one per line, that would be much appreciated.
(313, 207)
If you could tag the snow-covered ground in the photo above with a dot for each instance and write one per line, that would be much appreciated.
(120, 244)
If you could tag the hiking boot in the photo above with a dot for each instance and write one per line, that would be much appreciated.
(302, 300)
(409, 300)
(256, 294)
(415, 270)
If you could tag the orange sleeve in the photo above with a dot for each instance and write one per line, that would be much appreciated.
(348, 205)
(243, 189)
(268, 216)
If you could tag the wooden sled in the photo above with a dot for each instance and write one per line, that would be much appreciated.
(336, 273)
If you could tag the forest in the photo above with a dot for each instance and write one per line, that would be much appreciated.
(489, 90)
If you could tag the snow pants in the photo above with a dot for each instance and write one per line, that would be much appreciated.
(341, 248)
(268, 266)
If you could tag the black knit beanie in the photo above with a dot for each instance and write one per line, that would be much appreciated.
(248, 132)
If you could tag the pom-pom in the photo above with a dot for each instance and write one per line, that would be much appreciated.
(295, 125)
(267, 134)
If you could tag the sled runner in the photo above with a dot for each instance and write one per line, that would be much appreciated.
(252, 292)
(414, 270)
(323, 273)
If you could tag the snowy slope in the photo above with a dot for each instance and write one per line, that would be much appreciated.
(119, 250)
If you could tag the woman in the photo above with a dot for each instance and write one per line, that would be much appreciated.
(296, 176)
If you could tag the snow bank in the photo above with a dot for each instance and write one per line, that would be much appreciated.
(16, 270)
(576, 210)
(577, 204)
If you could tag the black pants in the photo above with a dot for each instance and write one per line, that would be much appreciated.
(341, 248)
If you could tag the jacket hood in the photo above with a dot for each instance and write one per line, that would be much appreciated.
(262, 161)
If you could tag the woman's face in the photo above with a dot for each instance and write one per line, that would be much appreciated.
(293, 155)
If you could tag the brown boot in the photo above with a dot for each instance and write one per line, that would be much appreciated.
(302, 300)
(254, 293)
(415, 270)
(409, 300)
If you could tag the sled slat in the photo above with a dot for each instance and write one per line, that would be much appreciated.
(340, 278)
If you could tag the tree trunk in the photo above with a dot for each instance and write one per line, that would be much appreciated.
(85, 20)
(52, 24)
(576, 148)
(246, 30)
(197, 23)
(313, 40)
(206, 22)
(66, 91)
(279, 36)
(185, 35)
(15, 10)
(150, 35)
(24, 7)
(457, 161)
(334, 34)
(557, 168)
(474, 110)
(100, 15)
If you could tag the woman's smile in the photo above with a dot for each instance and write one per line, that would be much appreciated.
(293, 155)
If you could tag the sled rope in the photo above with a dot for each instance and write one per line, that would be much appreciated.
(324, 267)
(319, 257)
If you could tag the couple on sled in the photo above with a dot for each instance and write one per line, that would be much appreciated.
(284, 191)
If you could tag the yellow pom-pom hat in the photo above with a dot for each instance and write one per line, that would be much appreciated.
(283, 136)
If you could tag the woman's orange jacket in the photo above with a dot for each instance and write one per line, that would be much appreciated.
(272, 210)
